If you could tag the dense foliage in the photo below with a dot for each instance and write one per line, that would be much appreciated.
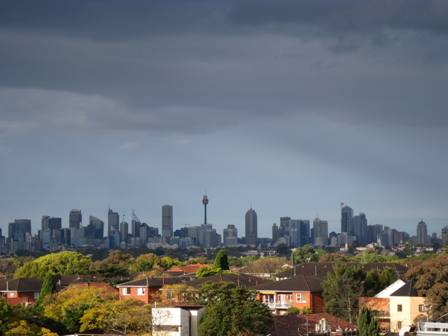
(306, 254)
(61, 263)
(341, 290)
(221, 260)
(123, 317)
(367, 324)
(430, 278)
(232, 311)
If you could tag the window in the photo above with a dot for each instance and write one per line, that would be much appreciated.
(399, 325)
(300, 298)
(126, 291)
(399, 308)
(141, 291)
(421, 308)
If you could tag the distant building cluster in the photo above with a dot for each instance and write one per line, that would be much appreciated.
(355, 231)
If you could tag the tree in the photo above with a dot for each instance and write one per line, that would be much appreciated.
(168, 262)
(115, 265)
(437, 300)
(61, 263)
(268, 265)
(145, 262)
(376, 280)
(48, 286)
(22, 328)
(232, 310)
(69, 305)
(306, 254)
(221, 261)
(282, 250)
(5, 315)
(341, 290)
(367, 324)
(207, 271)
(123, 317)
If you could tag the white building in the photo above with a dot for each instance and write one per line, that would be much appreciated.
(176, 321)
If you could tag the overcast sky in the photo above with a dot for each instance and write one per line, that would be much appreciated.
(291, 106)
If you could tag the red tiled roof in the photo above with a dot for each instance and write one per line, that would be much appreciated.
(297, 324)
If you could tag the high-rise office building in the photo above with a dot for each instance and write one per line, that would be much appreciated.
(251, 227)
(45, 222)
(124, 231)
(95, 229)
(422, 233)
(113, 222)
(167, 222)
(360, 228)
(320, 232)
(275, 233)
(346, 219)
(75, 219)
(18, 233)
(230, 235)
(445, 235)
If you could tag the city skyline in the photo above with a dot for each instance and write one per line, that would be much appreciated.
(283, 104)
(264, 231)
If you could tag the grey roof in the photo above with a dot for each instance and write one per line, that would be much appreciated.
(298, 283)
(407, 289)
(241, 280)
(21, 285)
(155, 282)
(320, 269)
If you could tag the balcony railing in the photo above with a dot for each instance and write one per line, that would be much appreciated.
(278, 305)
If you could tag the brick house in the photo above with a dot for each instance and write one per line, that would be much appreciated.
(302, 292)
(146, 289)
(20, 291)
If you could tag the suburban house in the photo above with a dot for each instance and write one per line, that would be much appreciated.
(397, 306)
(380, 304)
(302, 292)
(20, 291)
(176, 321)
(147, 289)
(312, 325)
(406, 307)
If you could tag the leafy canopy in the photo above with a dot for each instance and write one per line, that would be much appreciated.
(232, 310)
(61, 263)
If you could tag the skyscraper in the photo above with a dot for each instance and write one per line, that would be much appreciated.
(230, 235)
(359, 224)
(167, 222)
(18, 231)
(275, 233)
(422, 233)
(75, 219)
(124, 231)
(251, 227)
(45, 222)
(113, 222)
(445, 235)
(320, 232)
(346, 219)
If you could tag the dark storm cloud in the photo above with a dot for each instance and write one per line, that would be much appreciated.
(190, 66)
